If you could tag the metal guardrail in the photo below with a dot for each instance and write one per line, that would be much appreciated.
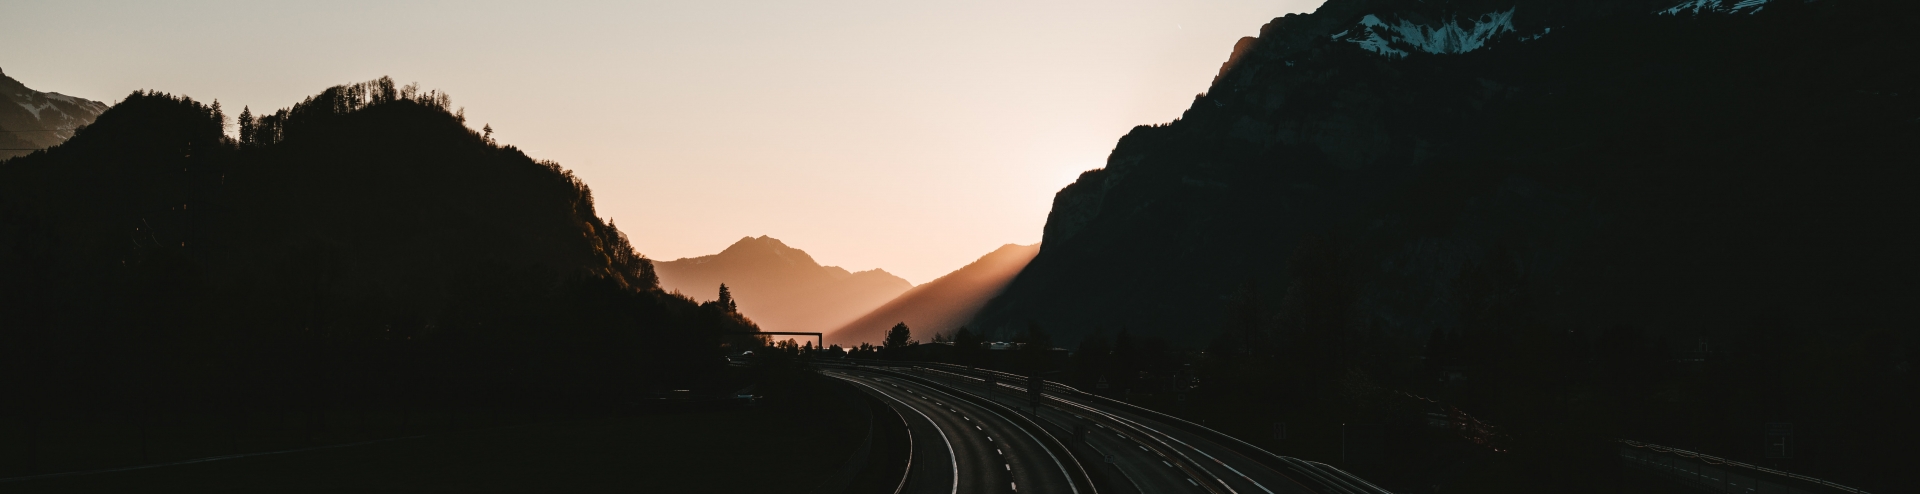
(1717, 474)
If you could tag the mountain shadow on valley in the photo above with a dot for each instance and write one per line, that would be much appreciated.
(941, 305)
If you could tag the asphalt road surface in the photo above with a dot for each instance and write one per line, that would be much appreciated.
(1153, 456)
(963, 447)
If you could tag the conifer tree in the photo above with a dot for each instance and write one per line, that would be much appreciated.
(726, 300)
(246, 126)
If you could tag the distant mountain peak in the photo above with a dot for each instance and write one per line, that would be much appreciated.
(781, 287)
(764, 251)
(761, 240)
(36, 120)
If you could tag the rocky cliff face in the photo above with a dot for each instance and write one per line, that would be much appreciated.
(780, 287)
(1660, 163)
(31, 120)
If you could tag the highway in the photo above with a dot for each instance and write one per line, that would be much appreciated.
(1150, 454)
(960, 446)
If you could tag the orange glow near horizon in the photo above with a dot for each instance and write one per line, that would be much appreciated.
(908, 136)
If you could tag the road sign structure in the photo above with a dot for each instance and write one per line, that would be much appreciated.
(1779, 440)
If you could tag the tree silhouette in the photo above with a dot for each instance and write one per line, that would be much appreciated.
(246, 126)
(898, 339)
(725, 301)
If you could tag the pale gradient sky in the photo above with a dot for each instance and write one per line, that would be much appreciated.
(912, 136)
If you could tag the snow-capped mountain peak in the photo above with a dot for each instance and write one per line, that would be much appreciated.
(1395, 39)
(1695, 7)
(43, 119)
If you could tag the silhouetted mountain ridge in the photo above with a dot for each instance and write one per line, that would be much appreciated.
(1672, 221)
(342, 252)
(1581, 156)
(782, 288)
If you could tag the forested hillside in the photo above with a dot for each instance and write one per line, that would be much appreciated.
(363, 249)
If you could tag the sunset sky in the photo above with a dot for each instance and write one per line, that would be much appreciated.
(910, 136)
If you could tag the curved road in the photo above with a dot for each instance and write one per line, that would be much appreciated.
(963, 447)
(1150, 455)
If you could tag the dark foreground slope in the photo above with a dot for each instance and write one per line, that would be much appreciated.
(801, 436)
(362, 250)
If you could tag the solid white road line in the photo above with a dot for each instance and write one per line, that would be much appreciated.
(936, 428)
(1149, 431)
(1222, 463)
(1075, 489)
(1223, 482)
